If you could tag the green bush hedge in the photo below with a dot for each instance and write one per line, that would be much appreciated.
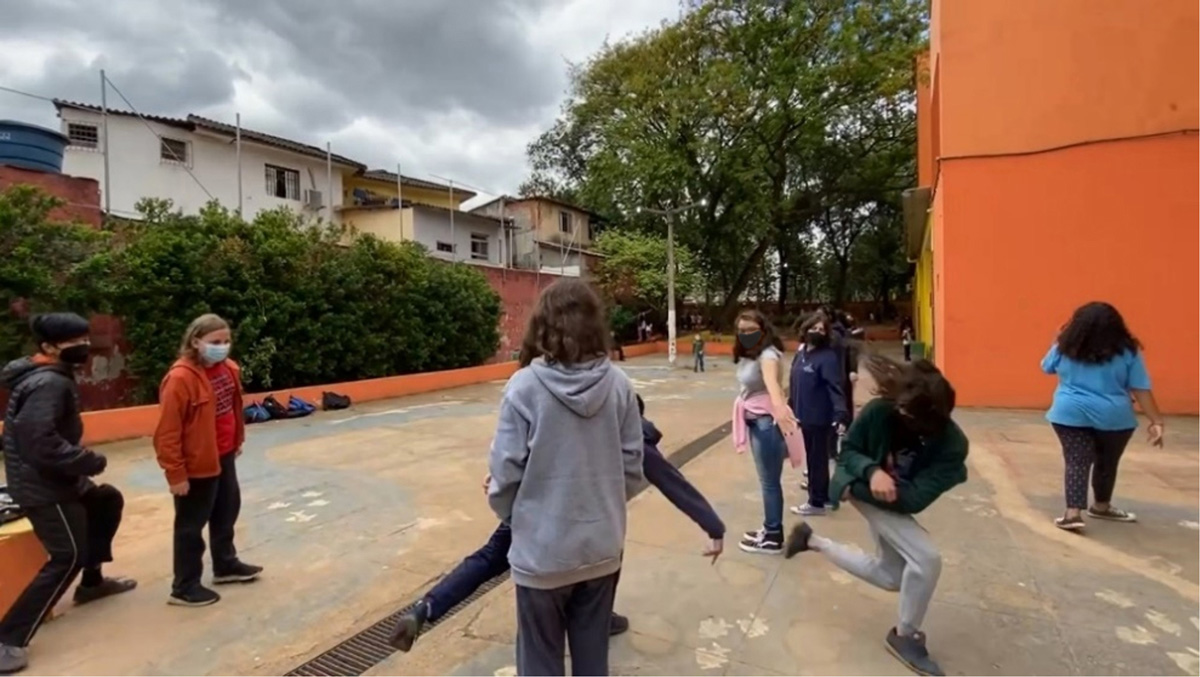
(309, 305)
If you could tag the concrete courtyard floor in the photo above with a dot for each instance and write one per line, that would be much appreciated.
(355, 513)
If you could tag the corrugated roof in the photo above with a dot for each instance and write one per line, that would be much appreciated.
(390, 177)
(192, 122)
(539, 198)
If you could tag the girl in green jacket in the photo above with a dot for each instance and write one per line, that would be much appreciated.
(900, 455)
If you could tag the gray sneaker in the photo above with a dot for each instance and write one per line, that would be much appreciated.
(12, 659)
(808, 510)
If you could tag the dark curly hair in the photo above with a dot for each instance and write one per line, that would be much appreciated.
(919, 390)
(1096, 334)
(769, 338)
(567, 326)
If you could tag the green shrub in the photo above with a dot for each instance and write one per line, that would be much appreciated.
(308, 306)
(38, 261)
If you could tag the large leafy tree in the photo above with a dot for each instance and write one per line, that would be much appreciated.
(786, 117)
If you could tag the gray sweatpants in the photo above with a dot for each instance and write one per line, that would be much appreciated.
(905, 559)
(578, 614)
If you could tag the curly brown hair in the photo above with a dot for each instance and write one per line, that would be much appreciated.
(567, 326)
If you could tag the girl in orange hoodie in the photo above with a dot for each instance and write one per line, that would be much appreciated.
(198, 439)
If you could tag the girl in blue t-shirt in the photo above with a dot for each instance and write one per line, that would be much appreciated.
(1099, 366)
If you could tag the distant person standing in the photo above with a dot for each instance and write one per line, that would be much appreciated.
(617, 347)
(698, 353)
(906, 338)
(1099, 366)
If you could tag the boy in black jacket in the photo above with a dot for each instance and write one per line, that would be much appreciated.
(491, 560)
(49, 473)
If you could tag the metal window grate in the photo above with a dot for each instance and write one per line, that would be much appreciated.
(368, 648)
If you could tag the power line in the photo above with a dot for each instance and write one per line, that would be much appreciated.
(28, 94)
(182, 162)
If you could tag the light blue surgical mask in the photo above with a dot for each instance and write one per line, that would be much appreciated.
(214, 352)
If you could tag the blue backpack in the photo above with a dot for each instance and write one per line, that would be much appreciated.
(298, 407)
(255, 412)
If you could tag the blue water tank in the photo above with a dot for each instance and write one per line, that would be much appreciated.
(31, 147)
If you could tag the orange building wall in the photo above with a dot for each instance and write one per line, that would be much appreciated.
(1021, 236)
(1028, 239)
(1020, 75)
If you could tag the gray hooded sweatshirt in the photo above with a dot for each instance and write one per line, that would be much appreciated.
(567, 453)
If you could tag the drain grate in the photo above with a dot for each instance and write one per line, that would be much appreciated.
(369, 647)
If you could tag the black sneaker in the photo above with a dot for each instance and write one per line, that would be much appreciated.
(197, 596)
(12, 659)
(409, 626)
(240, 572)
(763, 542)
(106, 588)
(618, 625)
(911, 652)
(1112, 514)
(797, 541)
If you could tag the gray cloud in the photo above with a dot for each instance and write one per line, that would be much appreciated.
(449, 87)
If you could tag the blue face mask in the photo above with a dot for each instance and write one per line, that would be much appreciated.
(214, 352)
(750, 339)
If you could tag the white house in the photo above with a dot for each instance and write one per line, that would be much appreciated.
(193, 160)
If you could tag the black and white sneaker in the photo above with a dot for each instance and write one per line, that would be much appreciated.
(238, 573)
(762, 542)
(197, 596)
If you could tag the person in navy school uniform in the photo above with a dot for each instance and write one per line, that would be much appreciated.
(491, 560)
(818, 400)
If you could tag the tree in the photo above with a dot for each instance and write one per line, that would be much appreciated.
(634, 270)
(40, 258)
(786, 117)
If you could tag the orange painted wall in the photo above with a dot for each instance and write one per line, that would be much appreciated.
(1020, 75)
(1027, 239)
(1029, 223)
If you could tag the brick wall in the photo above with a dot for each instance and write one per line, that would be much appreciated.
(81, 195)
(518, 290)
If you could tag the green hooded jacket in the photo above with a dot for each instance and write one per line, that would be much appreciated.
(940, 464)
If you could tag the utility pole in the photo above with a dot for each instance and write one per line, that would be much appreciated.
(104, 123)
(672, 331)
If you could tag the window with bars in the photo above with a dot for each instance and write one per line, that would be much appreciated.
(564, 221)
(479, 247)
(283, 183)
(83, 135)
(173, 150)
(445, 247)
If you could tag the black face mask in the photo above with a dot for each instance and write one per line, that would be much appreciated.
(816, 339)
(75, 355)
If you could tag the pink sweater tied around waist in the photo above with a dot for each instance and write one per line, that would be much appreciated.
(758, 405)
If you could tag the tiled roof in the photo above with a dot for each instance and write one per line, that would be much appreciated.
(192, 122)
(390, 177)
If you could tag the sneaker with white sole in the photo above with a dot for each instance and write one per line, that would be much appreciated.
(1069, 523)
(763, 542)
(808, 510)
(1111, 514)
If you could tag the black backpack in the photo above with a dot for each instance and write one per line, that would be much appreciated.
(332, 400)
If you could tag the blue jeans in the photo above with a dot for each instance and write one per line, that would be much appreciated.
(766, 442)
(478, 568)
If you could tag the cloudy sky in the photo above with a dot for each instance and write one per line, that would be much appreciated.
(449, 87)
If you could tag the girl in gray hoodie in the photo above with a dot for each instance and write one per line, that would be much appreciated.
(566, 454)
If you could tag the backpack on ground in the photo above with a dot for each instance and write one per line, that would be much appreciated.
(275, 409)
(331, 401)
(298, 407)
(255, 412)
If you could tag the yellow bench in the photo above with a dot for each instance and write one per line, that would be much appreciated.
(21, 555)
